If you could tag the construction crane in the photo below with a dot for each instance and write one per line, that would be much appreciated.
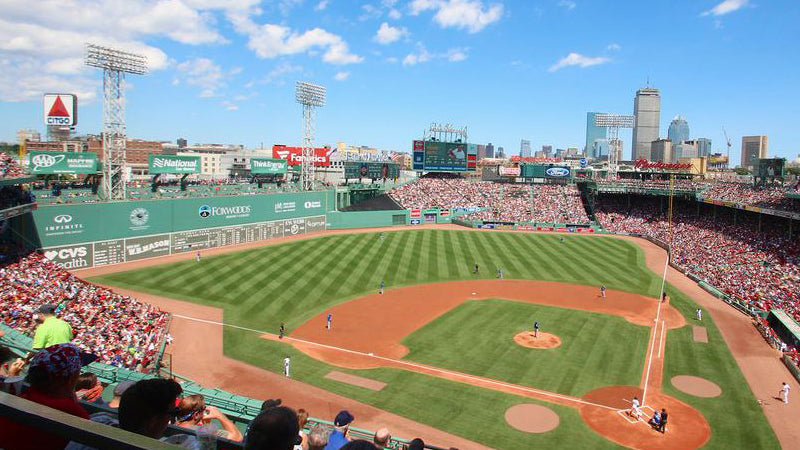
(728, 143)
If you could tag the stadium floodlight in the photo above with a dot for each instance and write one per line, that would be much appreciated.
(310, 96)
(115, 64)
(613, 122)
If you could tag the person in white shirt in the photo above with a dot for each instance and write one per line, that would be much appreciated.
(785, 393)
(286, 363)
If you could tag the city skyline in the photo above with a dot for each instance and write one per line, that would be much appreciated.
(223, 71)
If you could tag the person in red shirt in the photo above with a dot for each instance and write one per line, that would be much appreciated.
(53, 374)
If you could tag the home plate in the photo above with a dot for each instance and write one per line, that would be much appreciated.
(371, 354)
(474, 293)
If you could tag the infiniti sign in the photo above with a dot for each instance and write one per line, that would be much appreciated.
(63, 218)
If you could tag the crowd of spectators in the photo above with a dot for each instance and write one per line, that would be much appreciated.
(770, 196)
(500, 202)
(119, 330)
(758, 268)
(678, 185)
(9, 168)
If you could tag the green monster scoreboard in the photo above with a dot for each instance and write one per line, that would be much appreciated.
(437, 156)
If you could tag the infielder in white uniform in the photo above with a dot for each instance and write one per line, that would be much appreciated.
(785, 393)
(286, 363)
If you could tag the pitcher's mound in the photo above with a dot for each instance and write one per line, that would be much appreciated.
(531, 418)
(544, 340)
(699, 387)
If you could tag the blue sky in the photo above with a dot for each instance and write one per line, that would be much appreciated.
(224, 70)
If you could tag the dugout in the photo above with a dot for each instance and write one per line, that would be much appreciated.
(785, 327)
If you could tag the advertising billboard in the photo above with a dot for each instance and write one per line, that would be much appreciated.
(508, 171)
(45, 163)
(294, 155)
(372, 170)
(174, 164)
(448, 156)
(267, 166)
(60, 110)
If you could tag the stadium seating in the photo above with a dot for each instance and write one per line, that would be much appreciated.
(9, 167)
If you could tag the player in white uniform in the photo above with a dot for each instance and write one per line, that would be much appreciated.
(635, 410)
(785, 393)
(286, 364)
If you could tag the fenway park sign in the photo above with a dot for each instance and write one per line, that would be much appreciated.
(645, 164)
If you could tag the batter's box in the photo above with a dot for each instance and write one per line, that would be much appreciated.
(624, 414)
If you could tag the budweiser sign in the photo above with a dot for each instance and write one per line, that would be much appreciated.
(645, 164)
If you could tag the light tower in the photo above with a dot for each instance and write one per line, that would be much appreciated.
(613, 122)
(115, 64)
(310, 96)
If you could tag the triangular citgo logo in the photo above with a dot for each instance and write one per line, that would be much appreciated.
(58, 109)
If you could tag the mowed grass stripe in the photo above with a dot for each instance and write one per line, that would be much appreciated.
(454, 257)
(513, 261)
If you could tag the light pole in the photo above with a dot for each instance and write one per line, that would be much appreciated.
(310, 96)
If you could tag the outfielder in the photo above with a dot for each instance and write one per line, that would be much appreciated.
(500, 273)
(197, 256)
(330, 319)
(281, 330)
(383, 286)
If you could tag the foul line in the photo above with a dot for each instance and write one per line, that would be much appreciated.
(655, 330)
(661, 341)
(405, 363)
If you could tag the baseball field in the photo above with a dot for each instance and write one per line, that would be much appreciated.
(441, 340)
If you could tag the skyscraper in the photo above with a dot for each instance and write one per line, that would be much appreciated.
(661, 151)
(678, 130)
(593, 133)
(500, 153)
(703, 147)
(547, 150)
(753, 148)
(525, 148)
(489, 150)
(647, 110)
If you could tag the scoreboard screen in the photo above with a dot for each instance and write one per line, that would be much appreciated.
(372, 170)
(444, 156)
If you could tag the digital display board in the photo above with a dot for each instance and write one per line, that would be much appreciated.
(444, 156)
(372, 170)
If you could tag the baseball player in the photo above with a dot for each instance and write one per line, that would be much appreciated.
(381, 236)
(383, 286)
(476, 268)
(330, 319)
(197, 256)
(699, 314)
(603, 291)
(500, 273)
(635, 409)
(785, 393)
(281, 330)
(286, 364)
(535, 329)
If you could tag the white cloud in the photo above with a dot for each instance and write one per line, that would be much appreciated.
(422, 55)
(456, 54)
(205, 74)
(230, 106)
(727, 6)
(321, 5)
(576, 59)
(341, 76)
(392, 60)
(468, 14)
(42, 44)
(395, 14)
(613, 47)
(569, 4)
(270, 40)
(276, 75)
(387, 34)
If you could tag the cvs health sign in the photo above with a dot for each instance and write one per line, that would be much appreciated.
(294, 155)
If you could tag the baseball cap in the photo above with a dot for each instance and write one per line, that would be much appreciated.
(46, 309)
(121, 387)
(61, 360)
(343, 418)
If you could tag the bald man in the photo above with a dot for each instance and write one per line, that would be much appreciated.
(382, 438)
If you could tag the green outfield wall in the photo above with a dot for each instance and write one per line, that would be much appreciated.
(366, 219)
(94, 234)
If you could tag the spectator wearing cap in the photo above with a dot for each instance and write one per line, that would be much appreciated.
(193, 413)
(382, 438)
(273, 429)
(52, 330)
(341, 424)
(52, 376)
(145, 408)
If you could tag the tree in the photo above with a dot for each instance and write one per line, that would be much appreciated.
(741, 171)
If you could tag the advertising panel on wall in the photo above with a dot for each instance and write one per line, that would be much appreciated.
(294, 155)
(508, 171)
(174, 164)
(74, 163)
(267, 166)
(59, 225)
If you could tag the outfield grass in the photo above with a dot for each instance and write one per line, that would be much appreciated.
(261, 288)
(477, 338)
